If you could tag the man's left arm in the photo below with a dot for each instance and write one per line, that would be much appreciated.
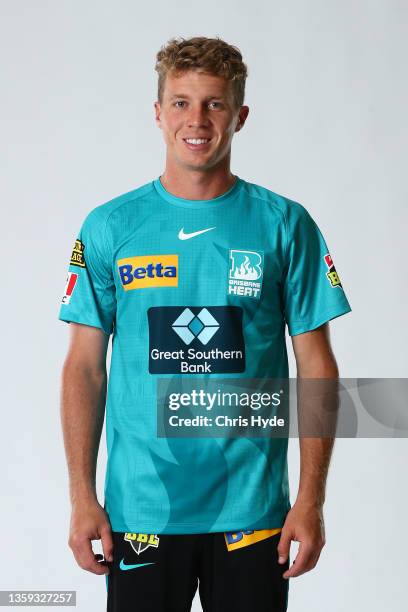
(304, 522)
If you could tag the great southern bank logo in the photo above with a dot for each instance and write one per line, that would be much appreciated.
(202, 326)
(245, 273)
(195, 339)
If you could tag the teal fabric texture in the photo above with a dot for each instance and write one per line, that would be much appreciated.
(196, 288)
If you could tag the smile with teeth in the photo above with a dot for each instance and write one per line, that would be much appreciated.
(197, 141)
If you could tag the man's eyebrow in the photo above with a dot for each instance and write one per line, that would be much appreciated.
(181, 95)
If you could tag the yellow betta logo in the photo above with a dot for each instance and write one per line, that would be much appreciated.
(239, 539)
(148, 271)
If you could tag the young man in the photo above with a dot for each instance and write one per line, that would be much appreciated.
(197, 271)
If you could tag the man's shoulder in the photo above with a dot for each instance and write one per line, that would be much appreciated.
(282, 203)
(122, 202)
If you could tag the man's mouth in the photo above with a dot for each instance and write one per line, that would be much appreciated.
(197, 140)
(197, 143)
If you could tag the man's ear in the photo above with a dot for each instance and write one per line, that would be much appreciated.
(157, 113)
(242, 117)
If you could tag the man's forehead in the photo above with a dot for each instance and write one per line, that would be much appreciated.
(190, 82)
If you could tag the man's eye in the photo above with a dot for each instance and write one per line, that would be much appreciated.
(176, 104)
(215, 104)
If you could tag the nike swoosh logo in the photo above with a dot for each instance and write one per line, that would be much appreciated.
(129, 567)
(184, 236)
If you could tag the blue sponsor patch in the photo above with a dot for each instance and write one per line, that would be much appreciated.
(195, 339)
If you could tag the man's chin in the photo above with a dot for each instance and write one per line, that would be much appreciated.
(197, 165)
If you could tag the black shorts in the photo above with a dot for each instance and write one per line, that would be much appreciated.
(161, 573)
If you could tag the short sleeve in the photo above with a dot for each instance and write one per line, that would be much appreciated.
(89, 295)
(312, 291)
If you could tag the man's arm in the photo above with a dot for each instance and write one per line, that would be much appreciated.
(83, 395)
(304, 522)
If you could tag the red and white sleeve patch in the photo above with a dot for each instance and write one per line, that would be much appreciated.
(332, 275)
(69, 287)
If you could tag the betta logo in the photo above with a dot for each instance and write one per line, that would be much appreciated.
(239, 539)
(148, 271)
(332, 274)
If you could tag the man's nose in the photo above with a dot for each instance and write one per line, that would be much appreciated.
(197, 117)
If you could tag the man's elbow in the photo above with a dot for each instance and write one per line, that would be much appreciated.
(76, 368)
(320, 365)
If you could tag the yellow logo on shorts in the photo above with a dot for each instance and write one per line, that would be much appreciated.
(239, 539)
(148, 271)
(140, 541)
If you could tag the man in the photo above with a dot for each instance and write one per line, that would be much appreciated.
(197, 271)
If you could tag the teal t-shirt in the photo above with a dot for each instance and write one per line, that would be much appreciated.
(193, 288)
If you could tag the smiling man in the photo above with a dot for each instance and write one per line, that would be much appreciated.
(197, 271)
(200, 146)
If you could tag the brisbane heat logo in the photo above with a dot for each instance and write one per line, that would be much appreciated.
(245, 273)
(332, 274)
(148, 271)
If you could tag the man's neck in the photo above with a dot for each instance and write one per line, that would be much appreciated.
(195, 185)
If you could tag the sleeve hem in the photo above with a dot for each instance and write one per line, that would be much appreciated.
(83, 321)
(304, 326)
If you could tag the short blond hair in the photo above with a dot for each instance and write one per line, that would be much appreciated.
(211, 55)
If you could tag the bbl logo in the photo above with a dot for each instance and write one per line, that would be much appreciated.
(141, 541)
(332, 274)
(245, 273)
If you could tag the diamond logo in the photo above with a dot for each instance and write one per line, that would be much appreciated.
(189, 326)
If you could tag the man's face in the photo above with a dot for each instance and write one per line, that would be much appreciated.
(198, 106)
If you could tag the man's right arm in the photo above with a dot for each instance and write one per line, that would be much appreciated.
(83, 396)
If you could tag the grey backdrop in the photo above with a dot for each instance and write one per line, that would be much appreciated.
(327, 127)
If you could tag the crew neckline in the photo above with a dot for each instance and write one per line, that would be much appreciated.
(222, 199)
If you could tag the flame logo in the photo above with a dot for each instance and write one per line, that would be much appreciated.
(245, 270)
